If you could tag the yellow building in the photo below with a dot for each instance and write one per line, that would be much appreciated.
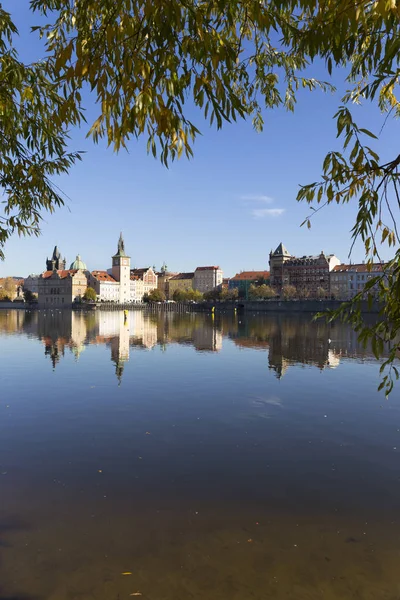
(182, 282)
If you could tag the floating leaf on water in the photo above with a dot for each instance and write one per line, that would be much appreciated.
(126, 573)
(136, 594)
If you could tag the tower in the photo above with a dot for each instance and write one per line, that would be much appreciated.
(121, 271)
(56, 263)
(277, 260)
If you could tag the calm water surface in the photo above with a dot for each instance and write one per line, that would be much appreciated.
(216, 458)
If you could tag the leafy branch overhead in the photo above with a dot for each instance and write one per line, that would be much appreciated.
(158, 69)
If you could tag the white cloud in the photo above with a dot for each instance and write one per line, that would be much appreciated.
(260, 213)
(257, 198)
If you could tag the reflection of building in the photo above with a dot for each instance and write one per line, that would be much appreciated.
(308, 274)
(120, 345)
(207, 278)
(349, 280)
(207, 338)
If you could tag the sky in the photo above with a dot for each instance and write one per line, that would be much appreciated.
(228, 206)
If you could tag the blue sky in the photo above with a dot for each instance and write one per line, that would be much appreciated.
(229, 205)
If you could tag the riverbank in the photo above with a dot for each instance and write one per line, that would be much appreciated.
(260, 306)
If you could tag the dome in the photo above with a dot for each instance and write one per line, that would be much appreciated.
(78, 264)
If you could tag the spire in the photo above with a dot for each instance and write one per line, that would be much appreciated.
(281, 251)
(121, 246)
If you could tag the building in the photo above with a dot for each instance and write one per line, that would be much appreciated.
(31, 283)
(207, 279)
(147, 276)
(182, 282)
(310, 275)
(105, 286)
(163, 278)
(61, 287)
(242, 281)
(349, 280)
(121, 284)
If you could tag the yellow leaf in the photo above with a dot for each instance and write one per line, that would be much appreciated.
(126, 573)
(136, 594)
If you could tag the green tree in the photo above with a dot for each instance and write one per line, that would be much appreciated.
(179, 295)
(144, 61)
(266, 292)
(29, 296)
(156, 295)
(212, 295)
(90, 295)
(321, 293)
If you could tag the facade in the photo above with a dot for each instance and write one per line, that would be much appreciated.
(61, 288)
(31, 283)
(146, 278)
(349, 280)
(105, 286)
(181, 281)
(207, 279)
(163, 278)
(310, 275)
(242, 281)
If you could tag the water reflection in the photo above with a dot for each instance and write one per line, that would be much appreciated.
(288, 340)
(240, 457)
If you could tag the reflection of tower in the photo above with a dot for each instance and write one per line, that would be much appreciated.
(120, 345)
(54, 349)
(121, 271)
(78, 333)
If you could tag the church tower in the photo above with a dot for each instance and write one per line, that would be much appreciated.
(121, 271)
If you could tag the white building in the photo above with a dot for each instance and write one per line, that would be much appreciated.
(105, 286)
(349, 280)
(146, 279)
(119, 284)
(207, 278)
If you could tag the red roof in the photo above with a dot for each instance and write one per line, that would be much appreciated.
(182, 276)
(360, 268)
(103, 276)
(61, 274)
(250, 275)
(207, 268)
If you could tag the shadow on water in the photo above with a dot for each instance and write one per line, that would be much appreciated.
(19, 597)
(8, 525)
